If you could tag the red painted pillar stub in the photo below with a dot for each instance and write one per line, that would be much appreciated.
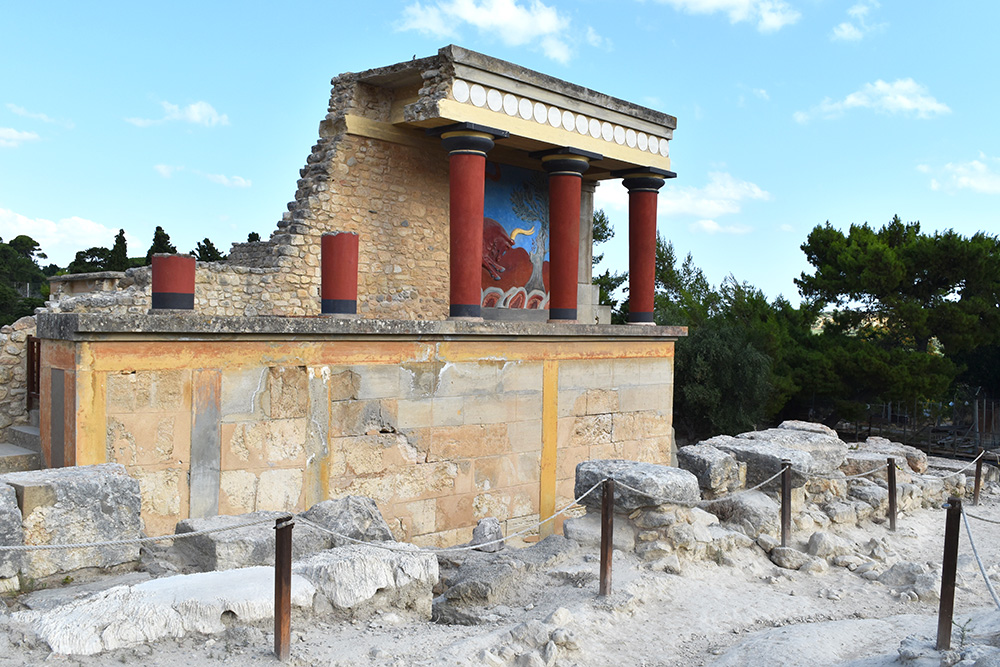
(173, 282)
(339, 266)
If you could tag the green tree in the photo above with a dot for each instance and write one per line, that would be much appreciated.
(253, 237)
(609, 281)
(118, 257)
(205, 251)
(161, 244)
(27, 247)
(90, 260)
(20, 276)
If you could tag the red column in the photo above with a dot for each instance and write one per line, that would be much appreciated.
(173, 282)
(467, 180)
(339, 268)
(565, 168)
(642, 195)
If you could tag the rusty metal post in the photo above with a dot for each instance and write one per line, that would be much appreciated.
(282, 587)
(890, 475)
(786, 501)
(979, 478)
(607, 533)
(947, 608)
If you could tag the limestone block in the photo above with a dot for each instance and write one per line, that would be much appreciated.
(279, 489)
(764, 459)
(586, 530)
(262, 444)
(754, 512)
(11, 533)
(656, 484)
(244, 547)
(127, 616)
(915, 459)
(72, 505)
(469, 379)
(717, 471)
(354, 517)
(362, 578)
(361, 417)
(486, 531)
(828, 545)
(870, 493)
(585, 374)
(238, 492)
(812, 427)
(827, 451)
(287, 395)
(789, 558)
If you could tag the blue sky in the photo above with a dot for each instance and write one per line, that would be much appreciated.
(198, 116)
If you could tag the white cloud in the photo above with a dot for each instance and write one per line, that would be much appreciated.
(59, 240)
(229, 181)
(597, 41)
(712, 227)
(198, 113)
(981, 175)
(902, 96)
(786, 228)
(515, 23)
(722, 195)
(166, 170)
(761, 93)
(769, 15)
(21, 111)
(11, 138)
(858, 26)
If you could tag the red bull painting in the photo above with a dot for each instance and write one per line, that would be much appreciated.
(515, 238)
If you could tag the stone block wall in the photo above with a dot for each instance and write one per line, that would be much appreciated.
(440, 431)
(13, 373)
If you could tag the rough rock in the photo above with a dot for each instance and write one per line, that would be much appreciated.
(827, 451)
(244, 547)
(356, 517)
(916, 459)
(811, 427)
(96, 503)
(789, 558)
(486, 531)
(869, 493)
(754, 513)
(902, 574)
(828, 545)
(763, 459)
(657, 484)
(363, 578)
(126, 616)
(841, 512)
(860, 462)
(11, 533)
(717, 472)
(586, 530)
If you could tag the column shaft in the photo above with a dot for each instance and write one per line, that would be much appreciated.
(564, 244)
(641, 254)
(468, 184)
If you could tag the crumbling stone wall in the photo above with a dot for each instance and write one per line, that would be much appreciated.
(13, 373)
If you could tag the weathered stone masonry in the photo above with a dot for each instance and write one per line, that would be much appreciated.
(248, 403)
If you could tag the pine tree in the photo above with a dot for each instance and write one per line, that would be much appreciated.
(207, 252)
(118, 259)
(161, 244)
(253, 237)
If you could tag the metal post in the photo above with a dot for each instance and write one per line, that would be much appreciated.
(979, 478)
(282, 587)
(786, 501)
(607, 533)
(890, 473)
(949, 563)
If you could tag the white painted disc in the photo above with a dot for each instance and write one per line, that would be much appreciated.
(654, 145)
(595, 128)
(541, 113)
(642, 140)
(664, 148)
(460, 91)
(581, 124)
(630, 138)
(494, 99)
(524, 108)
(607, 132)
(555, 117)
(619, 135)
(510, 105)
(568, 120)
(478, 95)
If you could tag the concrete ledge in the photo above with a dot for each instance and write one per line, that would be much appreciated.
(87, 326)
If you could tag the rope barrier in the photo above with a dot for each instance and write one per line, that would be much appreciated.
(980, 518)
(971, 463)
(467, 547)
(982, 569)
(135, 540)
(684, 503)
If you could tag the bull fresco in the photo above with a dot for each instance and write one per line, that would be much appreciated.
(515, 238)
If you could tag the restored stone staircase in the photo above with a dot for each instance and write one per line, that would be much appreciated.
(23, 449)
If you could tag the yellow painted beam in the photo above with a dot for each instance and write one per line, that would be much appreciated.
(553, 349)
(91, 428)
(550, 435)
